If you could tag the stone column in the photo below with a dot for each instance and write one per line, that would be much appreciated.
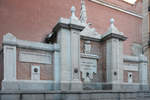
(143, 72)
(114, 56)
(9, 47)
(68, 38)
(56, 67)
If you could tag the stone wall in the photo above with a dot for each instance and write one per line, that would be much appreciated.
(70, 95)
(131, 67)
(29, 65)
(24, 68)
(135, 70)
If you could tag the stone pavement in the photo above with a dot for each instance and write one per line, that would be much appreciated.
(74, 95)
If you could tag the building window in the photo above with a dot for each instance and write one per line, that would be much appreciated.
(130, 1)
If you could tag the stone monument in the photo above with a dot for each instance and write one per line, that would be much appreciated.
(74, 57)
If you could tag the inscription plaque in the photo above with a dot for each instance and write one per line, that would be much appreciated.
(88, 68)
(34, 57)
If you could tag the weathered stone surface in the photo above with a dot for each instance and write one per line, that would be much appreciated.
(71, 95)
(10, 97)
(33, 97)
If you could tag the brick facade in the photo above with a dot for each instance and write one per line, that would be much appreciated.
(30, 22)
(127, 6)
(135, 76)
(24, 68)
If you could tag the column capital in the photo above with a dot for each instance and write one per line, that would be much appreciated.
(113, 35)
(66, 23)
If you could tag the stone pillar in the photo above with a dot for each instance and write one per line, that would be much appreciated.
(114, 56)
(9, 59)
(68, 37)
(56, 67)
(75, 59)
(145, 32)
(143, 72)
(114, 60)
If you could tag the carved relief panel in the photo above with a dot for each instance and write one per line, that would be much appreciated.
(87, 47)
(88, 69)
(88, 63)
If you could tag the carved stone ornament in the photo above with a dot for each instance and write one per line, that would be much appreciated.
(87, 47)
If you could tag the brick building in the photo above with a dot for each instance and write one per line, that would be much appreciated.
(34, 23)
(30, 22)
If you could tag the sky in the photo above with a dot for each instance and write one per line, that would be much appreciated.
(130, 1)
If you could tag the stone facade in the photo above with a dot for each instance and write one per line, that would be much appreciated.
(27, 63)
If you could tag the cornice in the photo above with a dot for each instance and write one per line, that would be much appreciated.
(101, 2)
